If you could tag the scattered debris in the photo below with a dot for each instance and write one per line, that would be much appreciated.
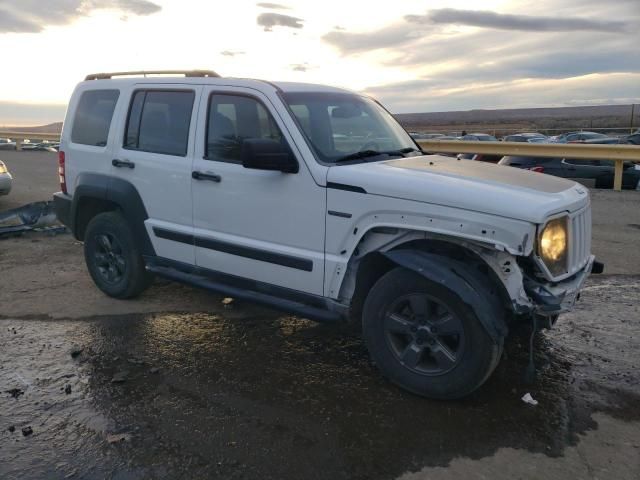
(118, 437)
(15, 392)
(154, 370)
(75, 351)
(12, 429)
(120, 377)
(26, 431)
(227, 301)
(527, 398)
(32, 216)
(135, 361)
(67, 389)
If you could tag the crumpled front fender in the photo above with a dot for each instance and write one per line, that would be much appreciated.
(466, 281)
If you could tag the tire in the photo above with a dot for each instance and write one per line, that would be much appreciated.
(113, 258)
(446, 353)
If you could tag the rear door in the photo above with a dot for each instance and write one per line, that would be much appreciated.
(154, 152)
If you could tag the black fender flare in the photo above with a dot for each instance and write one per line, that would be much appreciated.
(119, 192)
(473, 288)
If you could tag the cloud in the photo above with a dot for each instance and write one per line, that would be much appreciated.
(301, 67)
(500, 21)
(273, 6)
(393, 35)
(416, 96)
(232, 53)
(31, 16)
(270, 20)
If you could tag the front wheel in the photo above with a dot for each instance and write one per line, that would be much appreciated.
(425, 339)
(113, 258)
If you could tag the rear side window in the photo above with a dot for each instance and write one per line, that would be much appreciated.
(231, 120)
(159, 121)
(93, 117)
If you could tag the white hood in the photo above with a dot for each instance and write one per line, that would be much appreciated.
(470, 185)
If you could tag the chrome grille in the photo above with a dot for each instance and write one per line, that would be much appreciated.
(579, 239)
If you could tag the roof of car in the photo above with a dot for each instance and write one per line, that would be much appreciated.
(204, 78)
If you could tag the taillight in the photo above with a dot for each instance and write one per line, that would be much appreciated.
(537, 169)
(61, 175)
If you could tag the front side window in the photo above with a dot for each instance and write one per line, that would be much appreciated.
(93, 117)
(233, 119)
(159, 121)
(339, 125)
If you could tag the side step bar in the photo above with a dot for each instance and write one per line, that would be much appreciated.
(292, 306)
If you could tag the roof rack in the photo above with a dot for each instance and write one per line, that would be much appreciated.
(186, 73)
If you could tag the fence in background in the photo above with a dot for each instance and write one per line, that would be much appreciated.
(20, 137)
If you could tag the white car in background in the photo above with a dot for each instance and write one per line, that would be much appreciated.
(7, 144)
(6, 179)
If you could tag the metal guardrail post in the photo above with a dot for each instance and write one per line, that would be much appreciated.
(617, 175)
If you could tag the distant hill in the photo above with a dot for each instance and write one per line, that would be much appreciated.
(50, 128)
(541, 119)
(600, 116)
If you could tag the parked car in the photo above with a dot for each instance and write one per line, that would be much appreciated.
(7, 144)
(5, 179)
(479, 137)
(427, 136)
(577, 137)
(601, 171)
(488, 158)
(525, 137)
(236, 186)
(633, 139)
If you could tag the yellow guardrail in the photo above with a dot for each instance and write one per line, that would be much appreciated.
(617, 153)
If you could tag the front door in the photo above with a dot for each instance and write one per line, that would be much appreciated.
(256, 224)
(155, 153)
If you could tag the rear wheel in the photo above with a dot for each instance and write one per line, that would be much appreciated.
(113, 258)
(425, 339)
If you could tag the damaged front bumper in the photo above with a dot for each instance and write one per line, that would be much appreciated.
(550, 299)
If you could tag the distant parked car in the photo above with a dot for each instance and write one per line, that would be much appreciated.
(633, 139)
(601, 171)
(577, 137)
(5, 179)
(524, 137)
(7, 144)
(488, 158)
(426, 136)
(479, 137)
(601, 141)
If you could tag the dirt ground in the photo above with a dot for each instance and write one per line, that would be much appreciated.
(177, 385)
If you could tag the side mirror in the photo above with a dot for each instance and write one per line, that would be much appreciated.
(267, 154)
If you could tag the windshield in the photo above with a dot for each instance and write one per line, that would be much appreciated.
(339, 125)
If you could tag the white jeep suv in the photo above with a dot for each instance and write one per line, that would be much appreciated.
(316, 201)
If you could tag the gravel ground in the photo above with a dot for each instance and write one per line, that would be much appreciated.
(177, 385)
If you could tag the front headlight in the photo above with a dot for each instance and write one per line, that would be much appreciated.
(3, 169)
(552, 245)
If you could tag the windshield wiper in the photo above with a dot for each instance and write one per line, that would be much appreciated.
(375, 153)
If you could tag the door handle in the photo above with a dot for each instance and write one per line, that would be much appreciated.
(123, 163)
(212, 177)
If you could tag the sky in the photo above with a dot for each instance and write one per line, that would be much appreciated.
(412, 55)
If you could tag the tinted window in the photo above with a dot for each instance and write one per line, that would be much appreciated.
(159, 122)
(93, 117)
(233, 119)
